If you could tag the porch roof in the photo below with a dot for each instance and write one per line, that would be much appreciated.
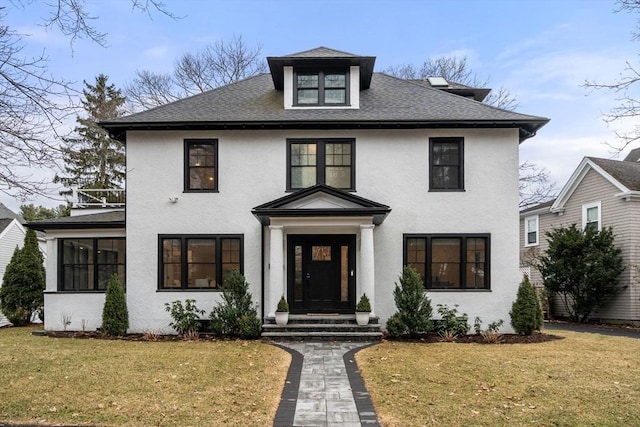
(347, 205)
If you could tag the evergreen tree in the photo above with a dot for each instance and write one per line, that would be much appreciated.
(582, 267)
(414, 307)
(526, 313)
(236, 315)
(32, 212)
(115, 316)
(23, 282)
(93, 159)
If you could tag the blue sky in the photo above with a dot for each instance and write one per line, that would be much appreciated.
(542, 51)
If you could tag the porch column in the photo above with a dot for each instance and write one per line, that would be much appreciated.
(276, 268)
(367, 265)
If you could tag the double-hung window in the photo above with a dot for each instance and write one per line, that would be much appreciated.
(198, 261)
(321, 88)
(446, 164)
(531, 231)
(449, 262)
(200, 165)
(324, 161)
(592, 216)
(88, 264)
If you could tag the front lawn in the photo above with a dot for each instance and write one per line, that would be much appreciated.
(113, 382)
(582, 380)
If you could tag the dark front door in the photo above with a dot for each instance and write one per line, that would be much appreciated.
(321, 273)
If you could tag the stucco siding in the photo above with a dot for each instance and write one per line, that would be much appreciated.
(391, 168)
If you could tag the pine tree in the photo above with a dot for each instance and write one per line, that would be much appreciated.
(526, 313)
(23, 282)
(115, 316)
(236, 315)
(93, 159)
(414, 307)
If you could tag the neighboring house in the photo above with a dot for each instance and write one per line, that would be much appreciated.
(600, 193)
(318, 181)
(11, 237)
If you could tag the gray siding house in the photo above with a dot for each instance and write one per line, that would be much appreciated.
(600, 193)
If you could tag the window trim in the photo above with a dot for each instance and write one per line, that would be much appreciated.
(321, 89)
(588, 206)
(187, 176)
(460, 141)
(463, 244)
(61, 264)
(320, 155)
(184, 262)
(527, 231)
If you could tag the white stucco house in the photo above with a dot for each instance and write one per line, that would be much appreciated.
(318, 181)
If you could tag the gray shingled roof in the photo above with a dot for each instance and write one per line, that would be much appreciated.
(626, 172)
(6, 213)
(389, 102)
(321, 52)
(4, 223)
(110, 219)
(633, 156)
(542, 205)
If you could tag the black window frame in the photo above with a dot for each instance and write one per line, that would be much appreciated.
(321, 159)
(460, 163)
(187, 167)
(184, 263)
(462, 268)
(321, 88)
(96, 270)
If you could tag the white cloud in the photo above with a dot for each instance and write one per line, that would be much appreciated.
(157, 53)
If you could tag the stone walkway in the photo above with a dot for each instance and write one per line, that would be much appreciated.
(324, 387)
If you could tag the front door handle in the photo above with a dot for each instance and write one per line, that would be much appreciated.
(308, 276)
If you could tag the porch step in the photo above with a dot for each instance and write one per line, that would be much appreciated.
(340, 327)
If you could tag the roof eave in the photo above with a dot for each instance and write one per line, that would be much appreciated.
(44, 226)
(527, 128)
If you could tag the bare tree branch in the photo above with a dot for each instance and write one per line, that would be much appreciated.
(455, 69)
(625, 90)
(35, 105)
(534, 186)
(216, 65)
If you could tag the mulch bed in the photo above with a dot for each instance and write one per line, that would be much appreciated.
(478, 339)
(426, 338)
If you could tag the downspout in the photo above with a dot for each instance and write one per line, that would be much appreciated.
(262, 272)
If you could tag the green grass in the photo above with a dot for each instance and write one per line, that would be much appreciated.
(582, 380)
(113, 382)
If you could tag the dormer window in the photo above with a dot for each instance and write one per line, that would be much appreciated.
(321, 88)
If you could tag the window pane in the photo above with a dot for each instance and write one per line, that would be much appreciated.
(338, 177)
(230, 257)
(171, 250)
(201, 256)
(592, 214)
(335, 96)
(532, 237)
(303, 177)
(445, 177)
(172, 276)
(476, 263)
(335, 80)
(445, 263)
(297, 280)
(308, 80)
(201, 155)
(201, 250)
(321, 253)
(307, 96)
(202, 179)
